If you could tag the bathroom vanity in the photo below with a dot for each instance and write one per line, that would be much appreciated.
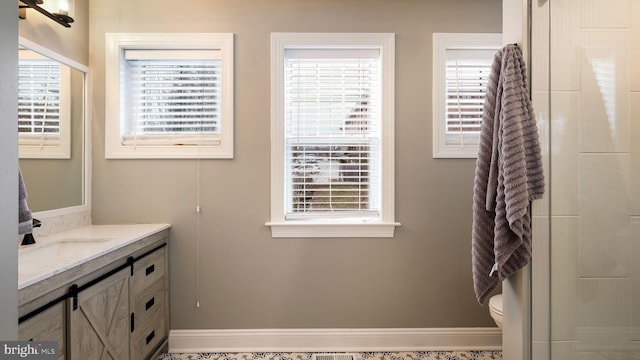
(99, 291)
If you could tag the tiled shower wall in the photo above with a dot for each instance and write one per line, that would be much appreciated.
(586, 91)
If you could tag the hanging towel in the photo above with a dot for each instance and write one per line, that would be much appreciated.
(508, 175)
(25, 220)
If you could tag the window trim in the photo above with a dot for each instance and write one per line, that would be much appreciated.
(384, 225)
(441, 43)
(117, 43)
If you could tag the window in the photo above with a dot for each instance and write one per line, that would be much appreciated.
(461, 67)
(44, 107)
(332, 135)
(169, 96)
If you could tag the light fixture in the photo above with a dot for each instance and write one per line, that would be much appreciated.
(56, 10)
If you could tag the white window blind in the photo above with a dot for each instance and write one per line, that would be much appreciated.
(461, 69)
(39, 99)
(44, 107)
(171, 97)
(332, 132)
(467, 75)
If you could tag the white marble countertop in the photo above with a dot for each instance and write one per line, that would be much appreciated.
(55, 253)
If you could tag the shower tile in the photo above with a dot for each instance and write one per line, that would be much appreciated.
(540, 47)
(540, 278)
(605, 354)
(565, 45)
(634, 277)
(635, 153)
(604, 215)
(540, 101)
(603, 313)
(605, 13)
(564, 283)
(635, 50)
(540, 349)
(565, 153)
(604, 303)
(565, 350)
(605, 87)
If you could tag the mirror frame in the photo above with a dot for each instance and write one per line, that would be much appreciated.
(86, 138)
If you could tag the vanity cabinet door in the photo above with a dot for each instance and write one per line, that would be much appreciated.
(49, 325)
(99, 326)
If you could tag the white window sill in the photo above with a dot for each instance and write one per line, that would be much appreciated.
(452, 152)
(319, 229)
(168, 152)
(44, 152)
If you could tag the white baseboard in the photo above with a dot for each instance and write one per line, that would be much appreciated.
(338, 340)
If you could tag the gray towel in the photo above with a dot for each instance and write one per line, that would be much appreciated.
(25, 220)
(508, 175)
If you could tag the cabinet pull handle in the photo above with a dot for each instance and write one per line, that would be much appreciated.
(73, 292)
(151, 336)
(133, 321)
(150, 269)
(150, 303)
(130, 261)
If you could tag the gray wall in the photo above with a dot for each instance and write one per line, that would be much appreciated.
(70, 42)
(8, 171)
(245, 279)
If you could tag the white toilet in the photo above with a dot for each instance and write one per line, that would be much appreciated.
(495, 309)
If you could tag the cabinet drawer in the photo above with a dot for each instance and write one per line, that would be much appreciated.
(149, 303)
(147, 339)
(46, 326)
(147, 270)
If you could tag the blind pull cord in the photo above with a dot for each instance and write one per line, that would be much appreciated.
(45, 108)
(459, 105)
(198, 209)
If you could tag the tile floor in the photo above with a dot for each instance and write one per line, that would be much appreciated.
(419, 355)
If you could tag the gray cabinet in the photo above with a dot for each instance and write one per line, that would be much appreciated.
(149, 299)
(117, 309)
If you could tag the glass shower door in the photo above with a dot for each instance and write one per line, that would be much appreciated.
(588, 82)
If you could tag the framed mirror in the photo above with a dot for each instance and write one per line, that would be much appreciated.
(53, 131)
